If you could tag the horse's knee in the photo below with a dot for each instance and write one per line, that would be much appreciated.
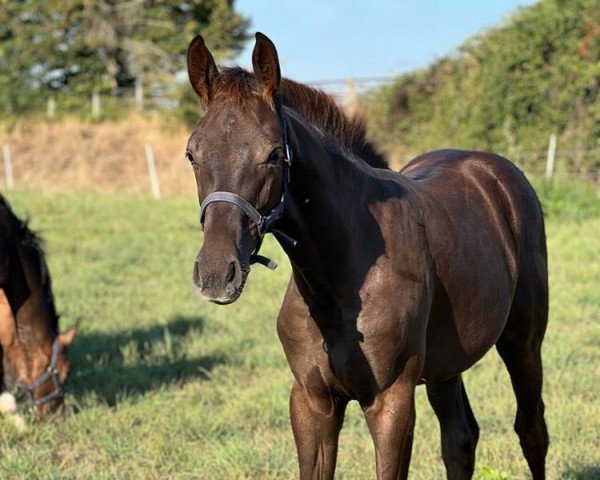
(473, 425)
(462, 442)
(320, 404)
(531, 428)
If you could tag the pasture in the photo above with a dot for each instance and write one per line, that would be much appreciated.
(165, 386)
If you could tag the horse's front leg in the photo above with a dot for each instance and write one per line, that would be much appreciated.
(316, 422)
(391, 421)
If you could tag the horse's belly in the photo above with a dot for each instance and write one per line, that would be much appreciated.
(456, 342)
(474, 291)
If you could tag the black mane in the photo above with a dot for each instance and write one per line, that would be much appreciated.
(19, 231)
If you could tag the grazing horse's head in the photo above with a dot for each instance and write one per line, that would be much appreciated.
(33, 351)
(237, 147)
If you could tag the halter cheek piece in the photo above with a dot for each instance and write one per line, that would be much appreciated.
(264, 223)
(51, 373)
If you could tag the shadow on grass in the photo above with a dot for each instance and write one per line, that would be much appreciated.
(130, 363)
(585, 473)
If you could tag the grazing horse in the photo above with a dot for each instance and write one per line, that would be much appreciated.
(32, 349)
(398, 278)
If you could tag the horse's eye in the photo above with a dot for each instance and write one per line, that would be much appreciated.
(190, 158)
(275, 157)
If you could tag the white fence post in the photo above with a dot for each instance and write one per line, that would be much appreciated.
(95, 104)
(152, 171)
(8, 170)
(551, 155)
(51, 108)
(351, 104)
(139, 94)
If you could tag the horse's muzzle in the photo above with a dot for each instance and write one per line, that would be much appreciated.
(219, 280)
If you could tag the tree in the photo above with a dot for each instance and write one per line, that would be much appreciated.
(505, 90)
(77, 46)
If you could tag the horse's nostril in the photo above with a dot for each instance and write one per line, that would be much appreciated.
(231, 273)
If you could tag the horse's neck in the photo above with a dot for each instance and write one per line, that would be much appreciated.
(327, 213)
(12, 348)
(24, 334)
(27, 298)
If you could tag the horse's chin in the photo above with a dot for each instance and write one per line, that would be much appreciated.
(221, 301)
(224, 299)
(228, 297)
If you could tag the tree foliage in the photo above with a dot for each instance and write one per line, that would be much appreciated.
(505, 90)
(73, 47)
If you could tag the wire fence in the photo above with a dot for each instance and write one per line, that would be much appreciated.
(567, 163)
(143, 171)
(344, 91)
(146, 162)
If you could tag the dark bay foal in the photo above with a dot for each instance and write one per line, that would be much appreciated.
(399, 279)
(32, 349)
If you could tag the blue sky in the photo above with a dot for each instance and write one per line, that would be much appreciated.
(337, 39)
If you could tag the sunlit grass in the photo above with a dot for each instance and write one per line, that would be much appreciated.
(167, 386)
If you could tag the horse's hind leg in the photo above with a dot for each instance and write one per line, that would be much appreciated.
(459, 430)
(520, 348)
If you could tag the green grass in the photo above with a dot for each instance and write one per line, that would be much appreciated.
(568, 199)
(167, 386)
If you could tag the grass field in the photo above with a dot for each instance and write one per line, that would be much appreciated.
(167, 386)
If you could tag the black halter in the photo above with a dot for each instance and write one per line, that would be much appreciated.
(264, 223)
(51, 373)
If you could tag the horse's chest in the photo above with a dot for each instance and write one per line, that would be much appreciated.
(355, 361)
(366, 362)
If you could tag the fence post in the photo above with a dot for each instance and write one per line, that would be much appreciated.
(351, 106)
(95, 104)
(51, 108)
(8, 171)
(152, 171)
(139, 94)
(551, 155)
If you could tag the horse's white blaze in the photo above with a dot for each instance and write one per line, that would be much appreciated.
(8, 404)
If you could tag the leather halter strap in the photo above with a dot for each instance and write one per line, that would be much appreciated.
(51, 373)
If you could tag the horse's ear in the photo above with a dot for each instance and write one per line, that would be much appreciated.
(266, 64)
(202, 69)
(66, 338)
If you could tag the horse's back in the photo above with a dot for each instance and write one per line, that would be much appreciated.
(482, 183)
(435, 169)
(486, 235)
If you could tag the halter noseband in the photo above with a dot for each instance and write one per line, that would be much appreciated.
(264, 223)
(51, 373)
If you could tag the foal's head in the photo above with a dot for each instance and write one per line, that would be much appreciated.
(237, 147)
(33, 351)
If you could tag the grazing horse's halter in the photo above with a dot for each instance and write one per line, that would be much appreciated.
(51, 373)
(264, 223)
